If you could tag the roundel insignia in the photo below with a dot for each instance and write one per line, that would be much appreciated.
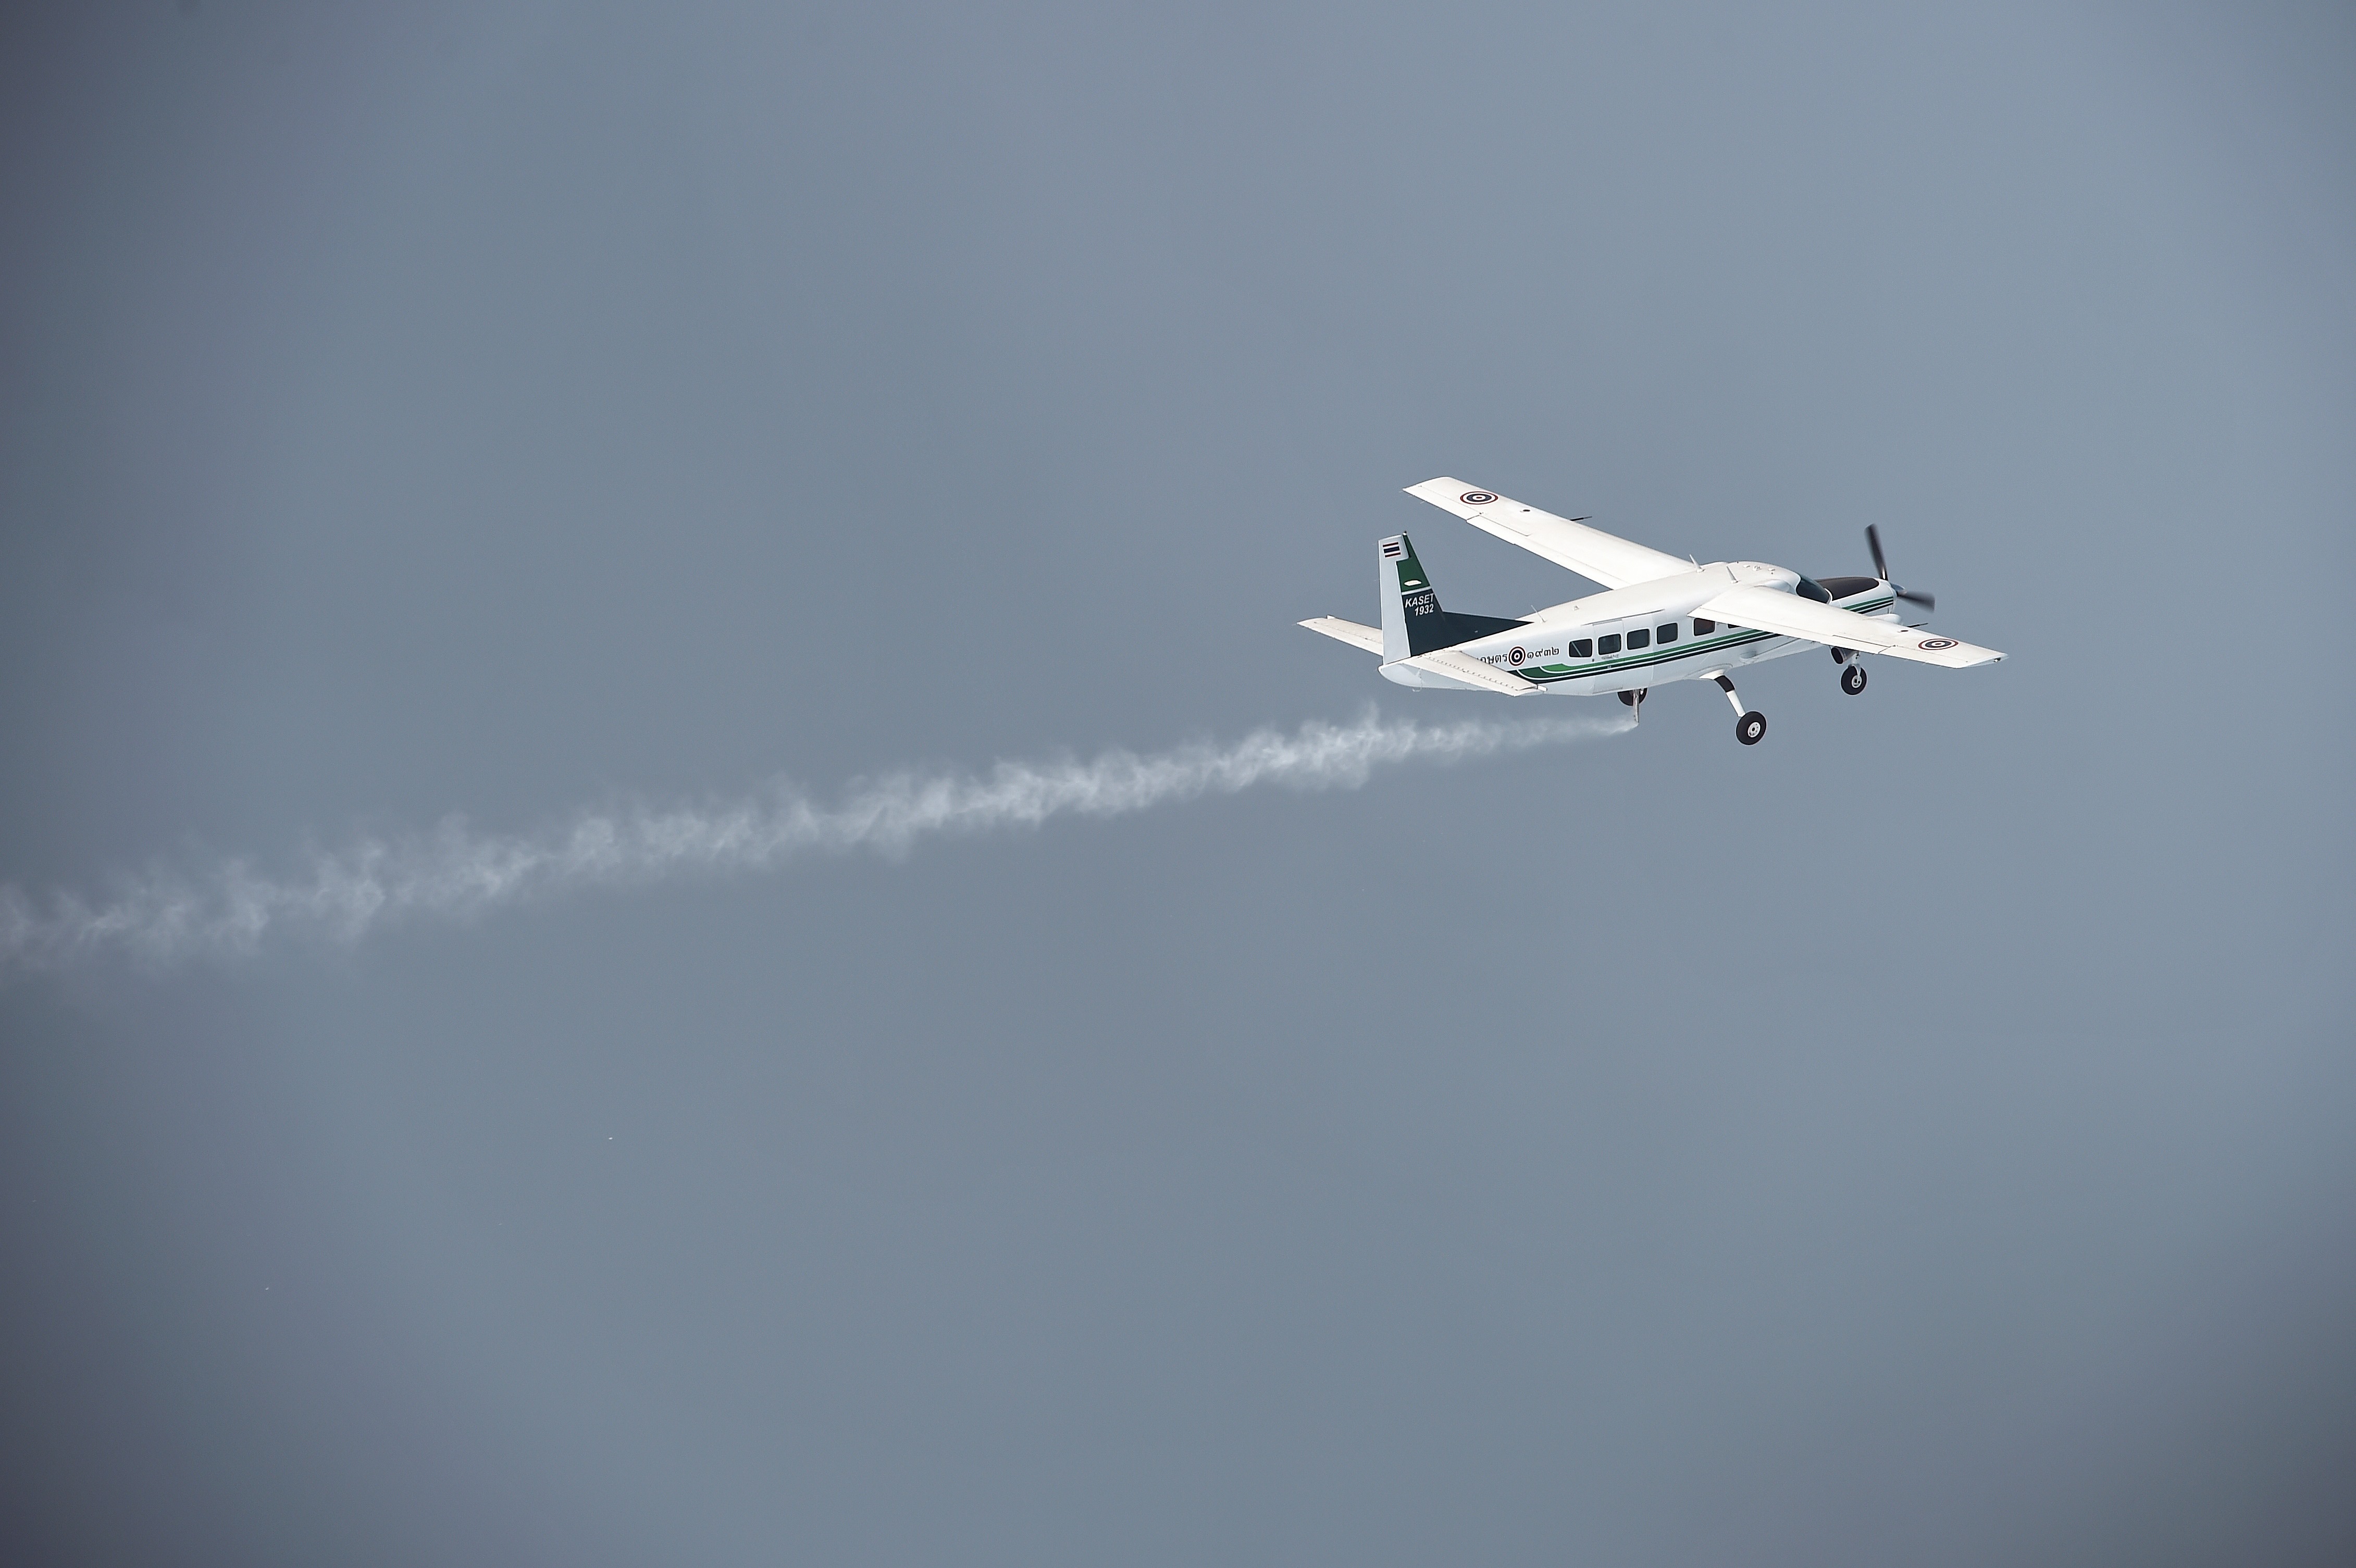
(1932, 645)
(1476, 497)
(1516, 657)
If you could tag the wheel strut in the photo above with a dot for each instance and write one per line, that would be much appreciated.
(1749, 726)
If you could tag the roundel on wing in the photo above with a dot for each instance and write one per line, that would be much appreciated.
(1934, 645)
(1476, 497)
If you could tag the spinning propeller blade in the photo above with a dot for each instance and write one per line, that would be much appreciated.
(1881, 570)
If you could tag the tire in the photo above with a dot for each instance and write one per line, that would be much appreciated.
(1633, 698)
(1853, 680)
(1751, 728)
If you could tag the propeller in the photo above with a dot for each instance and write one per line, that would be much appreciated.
(1881, 570)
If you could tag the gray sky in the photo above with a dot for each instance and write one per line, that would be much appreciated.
(1922, 1138)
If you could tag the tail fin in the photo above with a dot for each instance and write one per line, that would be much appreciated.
(1413, 622)
(1400, 578)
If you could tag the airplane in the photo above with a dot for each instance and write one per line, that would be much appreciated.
(1659, 619)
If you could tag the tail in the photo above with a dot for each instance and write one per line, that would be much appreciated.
(1413, 622)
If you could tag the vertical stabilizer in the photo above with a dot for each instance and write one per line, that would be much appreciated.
(1413, 622)
(1402, 581)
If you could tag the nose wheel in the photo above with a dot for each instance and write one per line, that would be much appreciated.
(1853, 678)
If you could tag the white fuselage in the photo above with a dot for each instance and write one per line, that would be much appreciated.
(1644, 634)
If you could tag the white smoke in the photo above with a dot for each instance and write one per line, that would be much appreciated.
(453, 871)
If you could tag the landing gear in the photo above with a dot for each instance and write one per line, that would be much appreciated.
(1635, 701)
(1749, 726)
(1853, 680)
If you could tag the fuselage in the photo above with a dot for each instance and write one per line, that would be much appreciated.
(1647, 634)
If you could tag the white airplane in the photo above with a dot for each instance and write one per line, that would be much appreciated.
(1660, 619)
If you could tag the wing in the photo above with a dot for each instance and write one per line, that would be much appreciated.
(1464, 667)
(1788, 615)
(1368, 637)
(1590, 552)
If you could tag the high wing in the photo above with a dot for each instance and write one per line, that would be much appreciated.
(1464, 667)
(1368, 637)
(1788, 615)
(1602, 557)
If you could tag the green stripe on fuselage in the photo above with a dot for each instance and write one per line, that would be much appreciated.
(1546, 675)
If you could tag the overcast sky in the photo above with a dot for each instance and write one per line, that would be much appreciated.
(1921, 1138)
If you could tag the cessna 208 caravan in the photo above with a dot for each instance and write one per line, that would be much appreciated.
(1659, 619)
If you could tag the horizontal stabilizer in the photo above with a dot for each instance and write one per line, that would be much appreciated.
(1368, 637)
(1464, 669)
(1788, 615)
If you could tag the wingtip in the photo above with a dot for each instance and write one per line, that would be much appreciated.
(1447, 494)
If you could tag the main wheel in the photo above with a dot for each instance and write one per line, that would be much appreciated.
(1751, 728)
(1853, 680)
(1633, 698)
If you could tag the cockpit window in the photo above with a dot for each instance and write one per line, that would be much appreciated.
(1849, 587)
(1809, 588)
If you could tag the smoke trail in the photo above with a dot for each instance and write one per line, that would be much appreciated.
(453, 871)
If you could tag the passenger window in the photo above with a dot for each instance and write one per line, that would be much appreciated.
(1640, 638)
(1610, 645)
(1703, 628)
(1667, 634)
(1582, 647)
